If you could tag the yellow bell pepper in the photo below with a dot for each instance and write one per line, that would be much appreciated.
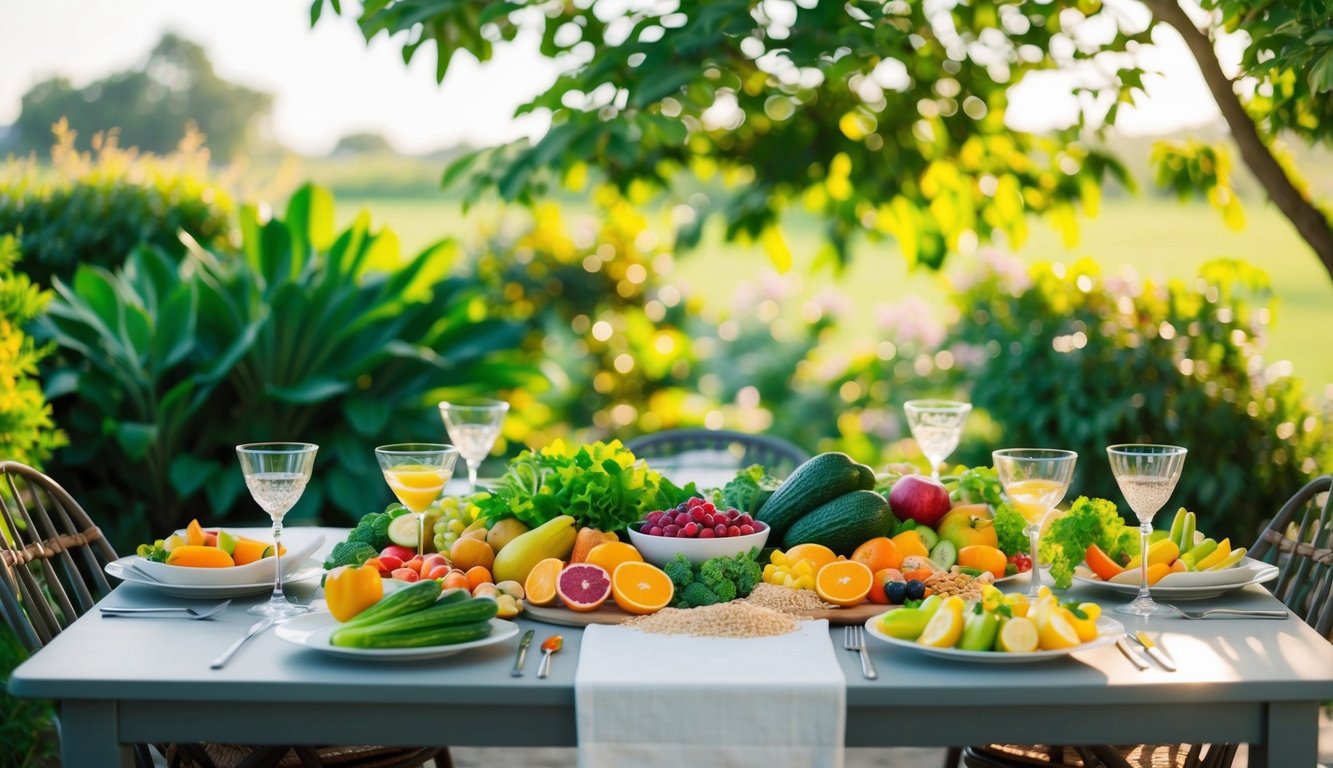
(351, 589)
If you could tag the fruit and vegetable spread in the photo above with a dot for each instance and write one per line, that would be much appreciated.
(553, 534)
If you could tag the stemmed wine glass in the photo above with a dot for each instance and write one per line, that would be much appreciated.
(1147, 475)
(417, 474)
(937, 426)
(473, 425)
(276, 474)
(1035, 480)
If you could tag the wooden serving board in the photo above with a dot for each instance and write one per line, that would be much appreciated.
(610, 614)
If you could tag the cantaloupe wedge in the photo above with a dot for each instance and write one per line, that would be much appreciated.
(249, 550)
(194, 534)
(197, 556)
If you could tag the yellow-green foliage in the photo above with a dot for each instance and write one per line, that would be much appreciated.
(26, 431)
(95, 207)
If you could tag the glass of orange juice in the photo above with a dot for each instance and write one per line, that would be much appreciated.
(1035, 480)
(417, 474)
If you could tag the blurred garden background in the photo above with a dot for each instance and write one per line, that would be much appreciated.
(257, 222)
(1099, 221)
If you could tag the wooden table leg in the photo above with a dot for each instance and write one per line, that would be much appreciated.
(1291, 736)
(88, 735)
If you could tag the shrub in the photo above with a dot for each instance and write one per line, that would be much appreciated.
(94, 208)
(26, 431)
(27, 726)
(1067, 358)
(301, 336)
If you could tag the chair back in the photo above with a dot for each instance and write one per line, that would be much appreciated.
(778, 456)
(1298, 540)
(51, 556)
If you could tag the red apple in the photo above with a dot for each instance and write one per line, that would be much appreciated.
(402, 553)
(919, 498)
(967, 525)
(389, 562)
(433, 561)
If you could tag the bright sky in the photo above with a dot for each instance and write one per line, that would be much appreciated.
(327, 83)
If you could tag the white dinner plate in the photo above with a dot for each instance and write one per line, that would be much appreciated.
(1191, 585)
(299, 572)
(313, 631)
(1107, 631)
(1026, 576)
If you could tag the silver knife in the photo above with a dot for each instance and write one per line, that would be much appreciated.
(1129, 653)
(262, 625)
(523, 644)
(1156, 653)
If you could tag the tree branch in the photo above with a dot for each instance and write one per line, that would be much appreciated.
(1309, 221)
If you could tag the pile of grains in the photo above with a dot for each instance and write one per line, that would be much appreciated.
(734, 619)
(967, 587)
(786, 599)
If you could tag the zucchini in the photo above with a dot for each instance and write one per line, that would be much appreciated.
(428, 621)
(818, 481)
(409, 599)
(844, 523)
(450, 634)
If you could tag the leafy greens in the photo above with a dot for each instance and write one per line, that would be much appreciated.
(1089, 521)
(602, 485)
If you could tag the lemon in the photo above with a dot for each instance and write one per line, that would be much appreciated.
(991, 597)
(946, 626)
(1018, 635)
(1054, 631)
(1085, 627)
(1018, 604)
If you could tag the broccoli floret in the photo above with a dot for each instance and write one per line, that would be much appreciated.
(349, 553)
(680, 571)
(745, 572)
(697, 594)
(372, 530)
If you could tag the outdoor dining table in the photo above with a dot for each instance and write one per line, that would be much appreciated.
(126, 681)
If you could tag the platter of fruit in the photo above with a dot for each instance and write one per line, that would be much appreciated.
(997, 629)
(1183, 564)
(415, 622)
(213, 563)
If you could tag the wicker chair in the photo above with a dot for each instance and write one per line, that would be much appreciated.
(1298, 541)
(53, 574)
(779, 456)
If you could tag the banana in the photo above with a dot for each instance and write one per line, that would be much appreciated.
(1222, 552)
(1197, 553)
(1232, 559)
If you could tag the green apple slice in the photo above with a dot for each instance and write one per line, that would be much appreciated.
(226, 542)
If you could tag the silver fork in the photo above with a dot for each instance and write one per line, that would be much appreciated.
(854, 640)
(1255, 614)
(184, 613)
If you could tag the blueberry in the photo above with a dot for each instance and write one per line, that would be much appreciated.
(896, 592)
(915, 589)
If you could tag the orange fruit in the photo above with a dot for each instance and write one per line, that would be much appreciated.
(610, 554)
(469, 553)
(879, 553)
(909, 543)
(478, 575)
(983, 557)
(641, 587)
(818, 555)
(844, 582)
(587, 539)
(455, 579)
(540, 584)
(248, 550)
(194, 534)
(199, 556)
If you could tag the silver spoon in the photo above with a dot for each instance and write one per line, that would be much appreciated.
(166, 613)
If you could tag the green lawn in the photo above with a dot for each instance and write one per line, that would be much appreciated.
(1158, 238)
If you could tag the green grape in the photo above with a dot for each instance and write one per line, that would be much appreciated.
(455, 517)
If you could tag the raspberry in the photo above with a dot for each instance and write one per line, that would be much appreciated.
(697, 514)
(745, 520)
(720, 530)
(646, 528)
(733, 530)
(671, 530)
(707, 533)
(746, 529)
(656, 530)
(691, 529)
(682, 518)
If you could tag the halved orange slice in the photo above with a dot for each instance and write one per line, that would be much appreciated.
(641, 587)
(844, 582)
(539, 587)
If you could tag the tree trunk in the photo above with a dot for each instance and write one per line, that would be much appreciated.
(1309, 221)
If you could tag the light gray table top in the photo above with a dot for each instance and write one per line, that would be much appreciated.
(1238, 667)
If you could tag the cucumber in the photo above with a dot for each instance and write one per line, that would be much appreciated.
(413, 597)
(844, 523)
(426, 621)
(450, 634)
(818, 481)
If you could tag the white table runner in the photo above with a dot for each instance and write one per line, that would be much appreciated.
(674, 700)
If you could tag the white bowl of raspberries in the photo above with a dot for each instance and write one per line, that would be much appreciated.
(698, 530)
